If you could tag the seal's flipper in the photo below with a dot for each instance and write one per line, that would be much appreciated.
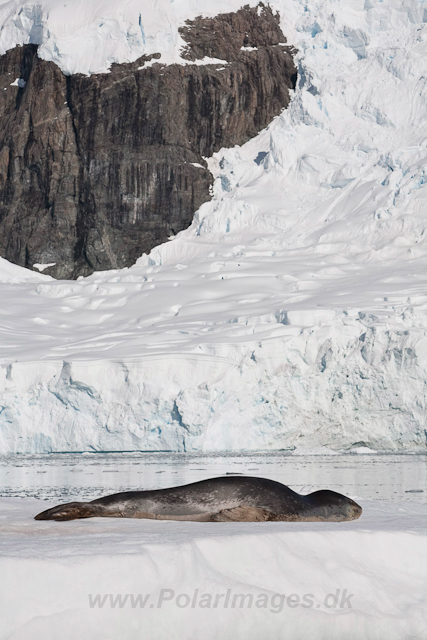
(242, 514)
(69, 511)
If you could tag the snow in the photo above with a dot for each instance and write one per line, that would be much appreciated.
(83, 36)
(292, 313)
(19, 82)
(165, 60)
(50, 570)
(42, 267)
(11, 274)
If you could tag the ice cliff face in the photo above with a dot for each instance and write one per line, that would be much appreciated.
(292, 313)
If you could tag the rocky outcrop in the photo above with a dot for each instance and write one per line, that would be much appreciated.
(96, 170)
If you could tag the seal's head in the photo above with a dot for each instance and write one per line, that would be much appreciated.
(328, 505)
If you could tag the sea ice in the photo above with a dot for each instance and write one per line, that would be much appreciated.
(122, 578)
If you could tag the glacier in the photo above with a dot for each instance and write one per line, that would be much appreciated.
(292, 313)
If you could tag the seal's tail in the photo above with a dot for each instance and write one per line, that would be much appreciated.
(69, 511)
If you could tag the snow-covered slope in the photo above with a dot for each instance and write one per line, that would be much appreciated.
(293, 312)
(87, 36)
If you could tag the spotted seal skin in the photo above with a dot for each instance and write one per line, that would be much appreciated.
(225, 499)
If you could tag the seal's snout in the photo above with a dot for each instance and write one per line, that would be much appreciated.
(355, 510)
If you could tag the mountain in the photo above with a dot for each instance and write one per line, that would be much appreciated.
(292, 312)
(97, 169)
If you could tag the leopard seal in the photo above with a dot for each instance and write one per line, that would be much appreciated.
(223, 499)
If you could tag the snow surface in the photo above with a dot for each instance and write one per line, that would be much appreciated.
(292, 313)
(43, 267)
(88, 36)
(49, 569)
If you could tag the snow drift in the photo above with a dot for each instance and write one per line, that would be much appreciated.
(292, 313)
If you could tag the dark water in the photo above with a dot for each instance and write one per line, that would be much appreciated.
(384, 477)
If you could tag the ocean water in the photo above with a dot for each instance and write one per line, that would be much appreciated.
(77, 476)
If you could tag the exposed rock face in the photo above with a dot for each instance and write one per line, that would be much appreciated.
(96, 170)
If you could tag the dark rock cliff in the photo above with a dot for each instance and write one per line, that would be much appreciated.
(96, 170)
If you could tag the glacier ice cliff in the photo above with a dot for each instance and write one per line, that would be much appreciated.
(292, 312)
